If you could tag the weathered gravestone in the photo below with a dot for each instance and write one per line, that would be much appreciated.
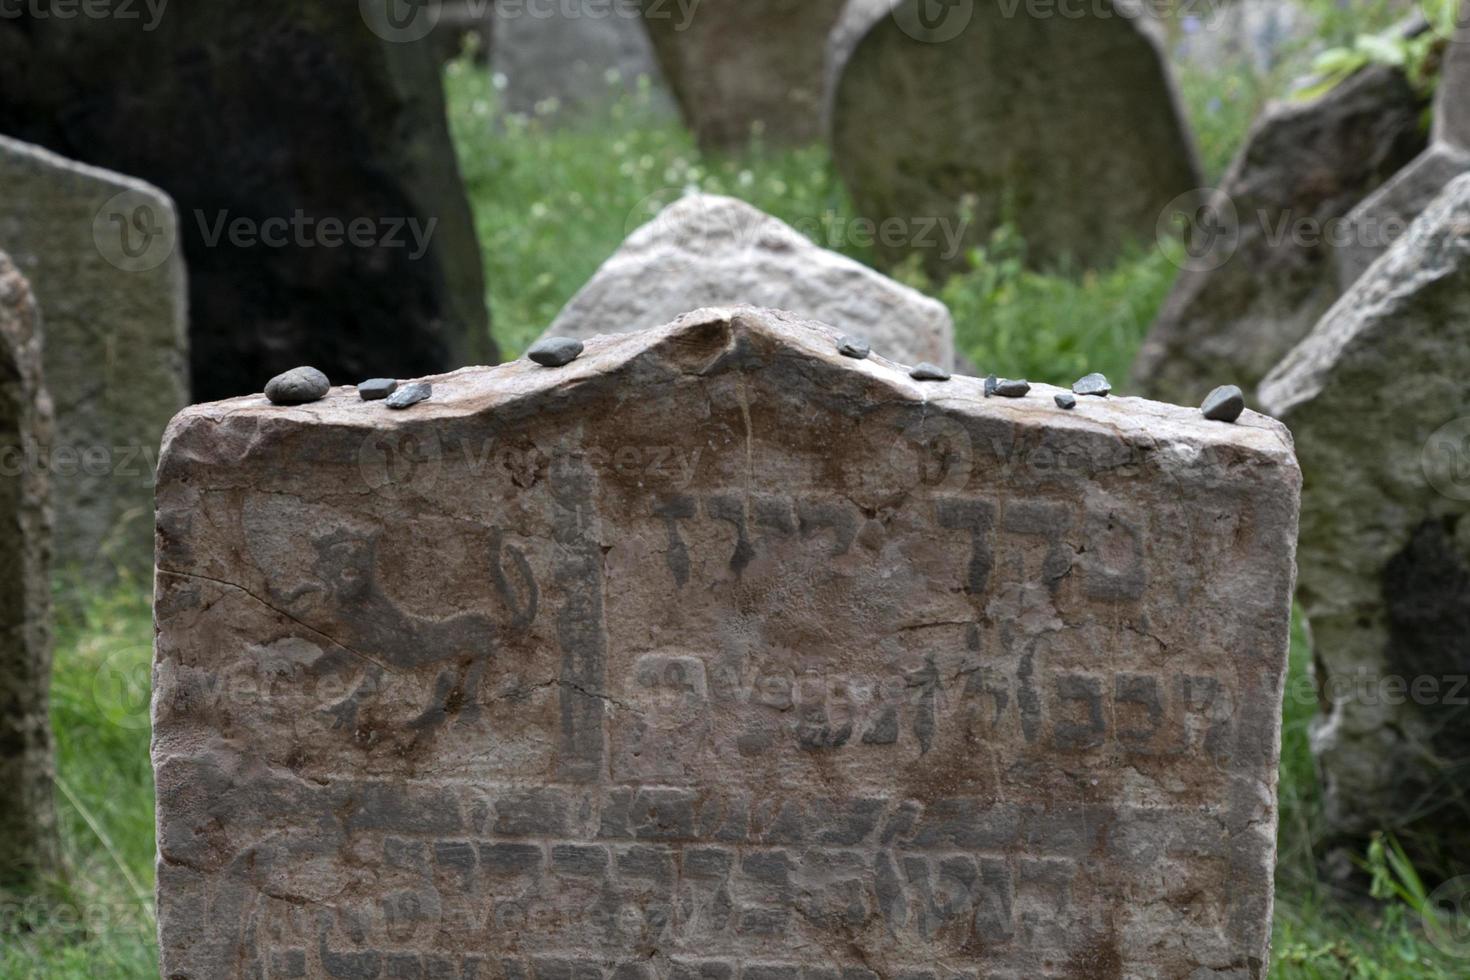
(1257, 262)
(575, 55)
(1452, 103)
(29, 846)
(322, 216)
(713, 654)
(1375, 397)
(707, 250)
(1069, 126)
(736, 66)
(98, 248)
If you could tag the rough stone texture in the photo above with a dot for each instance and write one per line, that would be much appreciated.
(718, 654)
(565, 51)
(1244, 300)
(733, 64)
(1070, 126)
(1385, 550)
(707, 250)
(97, 248)
(261, 112)
(29, 847)
(1452, 103)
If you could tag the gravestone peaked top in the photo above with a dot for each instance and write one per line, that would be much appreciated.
(1067, 126)
(29, 847)
(1376, 397)
(716, 653)
(707, 250)
(99, 250)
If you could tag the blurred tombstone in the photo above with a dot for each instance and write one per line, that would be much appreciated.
(30, 852)
(1256, 255)
(100, 252)
(1376, 398)
(707, 250)
(717, 647)
(938, 111)
(305, 144)
(1452, 107)
(740, 67)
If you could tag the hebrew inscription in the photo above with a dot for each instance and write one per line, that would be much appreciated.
(870, 681)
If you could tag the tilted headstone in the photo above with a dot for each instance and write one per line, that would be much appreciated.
(1257, 265)
(321, 212)
(717, 653)
(707, 250)
(29, 844)
(1376, 399)
(1452, 102)
(1068, 126)
(575, 55)
(100, 251)
(741, 66)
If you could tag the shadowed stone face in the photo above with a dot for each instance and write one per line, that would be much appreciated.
(715, 653)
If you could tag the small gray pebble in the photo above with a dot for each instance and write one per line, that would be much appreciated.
(990, 384)
(298, 386)
(1012, 389)
(929, 372)
(1093, 384)
(410, 394)
(377, 389)
(854, 347)
(555, 351)
(1066, 400)
(1224, 404)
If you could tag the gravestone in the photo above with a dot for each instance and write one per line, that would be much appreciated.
(716, 653)
(99, 250)
(708, 250)
(30, 851)
(577, 55)
(1067, 126)
(1452, 102)
(1244, 297)
(738, 66)
(1375, 397)
(322, 216)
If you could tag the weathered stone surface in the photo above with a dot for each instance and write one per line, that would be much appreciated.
(322, 216)
(1374, 225)
(735, 65)
(98, 248)
(1375, 397)
(1452, 100)
(30, 852)
(935, 122)
(580, 53)
(708, 250)
(1249, 292)
(719, 654)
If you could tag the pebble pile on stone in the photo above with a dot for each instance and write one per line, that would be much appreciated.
(854, 347)
(555, 351)
(1224, 404)
(298, 386)
(1093, 384)
(929, 372)
(410, 394)
(376, 389)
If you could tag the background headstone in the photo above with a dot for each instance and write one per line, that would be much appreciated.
(305, 144)
(736, 64)
(1246, 296)
(30, 850)
(1069, 126)
(1452, 103)
(580, 53)
(1376, 399)
(718, 653)
(100, 252)
(707, 250)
